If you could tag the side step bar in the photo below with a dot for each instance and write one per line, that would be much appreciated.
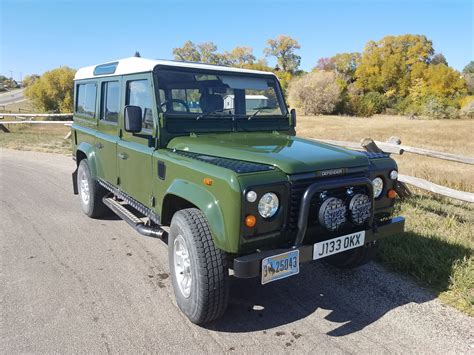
(135, 222)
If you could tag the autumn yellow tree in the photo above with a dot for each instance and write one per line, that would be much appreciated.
(283, 49)
(386, 65)
(53, 91)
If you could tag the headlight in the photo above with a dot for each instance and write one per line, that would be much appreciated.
(394, 175)
(268, 205)
(377, 183)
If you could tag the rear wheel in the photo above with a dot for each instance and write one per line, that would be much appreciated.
(90, 192)
(353, 258)
(199, 273)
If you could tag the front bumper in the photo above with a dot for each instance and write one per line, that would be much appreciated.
(249, 266)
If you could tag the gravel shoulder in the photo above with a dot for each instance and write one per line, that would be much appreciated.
(74, 284)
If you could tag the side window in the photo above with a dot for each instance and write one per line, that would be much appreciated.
(138, 94)
(110, 101)
(86, 97)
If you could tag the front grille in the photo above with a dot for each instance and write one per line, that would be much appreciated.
(297, 189)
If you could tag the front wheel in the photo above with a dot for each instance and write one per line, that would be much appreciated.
(353, 258)
(199, 273)
(90, 192)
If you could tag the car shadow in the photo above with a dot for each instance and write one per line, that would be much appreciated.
(352, 299)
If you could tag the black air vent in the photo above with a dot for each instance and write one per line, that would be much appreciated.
(238, 166)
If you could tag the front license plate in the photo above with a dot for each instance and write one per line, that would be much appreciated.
(337, 245)
(279, 266)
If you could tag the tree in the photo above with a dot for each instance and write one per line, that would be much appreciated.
(188, 52)
(283, 48)
(325, 64)
(137, 54)
(386, 65)
(468, 74)
(439, 58)
(315, 93)
(53, 91)
(469, 68)
(28, 80)
(202, 52)
(346, 64)
(239, 57)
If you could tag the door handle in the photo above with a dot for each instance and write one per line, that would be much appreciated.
(99, 145)
(123, 156)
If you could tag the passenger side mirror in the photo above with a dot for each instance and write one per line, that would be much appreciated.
(133, 119)
(293, 117)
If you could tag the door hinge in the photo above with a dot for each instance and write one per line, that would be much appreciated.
(152, 201)
(118, 180)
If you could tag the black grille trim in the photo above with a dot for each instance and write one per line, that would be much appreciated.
(238, 166)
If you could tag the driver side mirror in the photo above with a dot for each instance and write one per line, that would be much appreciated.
(293, 117)
(133, 119)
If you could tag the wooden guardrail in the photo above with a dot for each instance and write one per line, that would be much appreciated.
(36, 115)
(394, 146)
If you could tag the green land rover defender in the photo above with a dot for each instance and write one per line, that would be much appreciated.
(205, 158)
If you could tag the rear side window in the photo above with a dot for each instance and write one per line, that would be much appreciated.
(138, 94)
(110, 101)
(86, 97)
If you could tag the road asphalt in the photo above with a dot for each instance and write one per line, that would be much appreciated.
(72, 284)
(11, 97)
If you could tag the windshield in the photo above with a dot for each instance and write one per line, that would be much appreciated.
(207, 94)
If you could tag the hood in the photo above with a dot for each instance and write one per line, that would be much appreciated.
(290, 154)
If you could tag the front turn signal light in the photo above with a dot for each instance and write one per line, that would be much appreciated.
(250, 221)
(391, 194)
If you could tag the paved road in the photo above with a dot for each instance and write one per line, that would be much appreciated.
(12, 97)
(74, 284)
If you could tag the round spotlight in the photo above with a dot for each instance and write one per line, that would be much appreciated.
(332, 213)
(377, 183)
(361, 208)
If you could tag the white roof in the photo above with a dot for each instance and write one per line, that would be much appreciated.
(134, 65)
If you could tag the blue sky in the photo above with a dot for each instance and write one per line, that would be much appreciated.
(40, 35)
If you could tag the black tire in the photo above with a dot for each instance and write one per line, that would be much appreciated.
(92, 205)
(209, 289)
(353, 258)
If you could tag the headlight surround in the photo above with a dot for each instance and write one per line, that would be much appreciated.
(377, 184)
(268, 205)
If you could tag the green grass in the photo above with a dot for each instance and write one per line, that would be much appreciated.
(437, 248)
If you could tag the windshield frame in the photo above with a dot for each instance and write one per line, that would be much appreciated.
(177, 115)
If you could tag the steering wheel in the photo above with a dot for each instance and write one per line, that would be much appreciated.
(177, 101)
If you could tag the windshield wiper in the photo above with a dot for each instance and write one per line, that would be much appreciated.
(260, 109)
(204, 115)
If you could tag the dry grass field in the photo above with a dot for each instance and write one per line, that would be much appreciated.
(451, 136)
(437, 248)
(42, 138)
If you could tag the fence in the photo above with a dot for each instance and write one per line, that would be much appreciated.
(23, 119)
(394, 146)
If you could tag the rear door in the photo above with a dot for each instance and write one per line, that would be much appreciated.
(107, 135)
(134, 151)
